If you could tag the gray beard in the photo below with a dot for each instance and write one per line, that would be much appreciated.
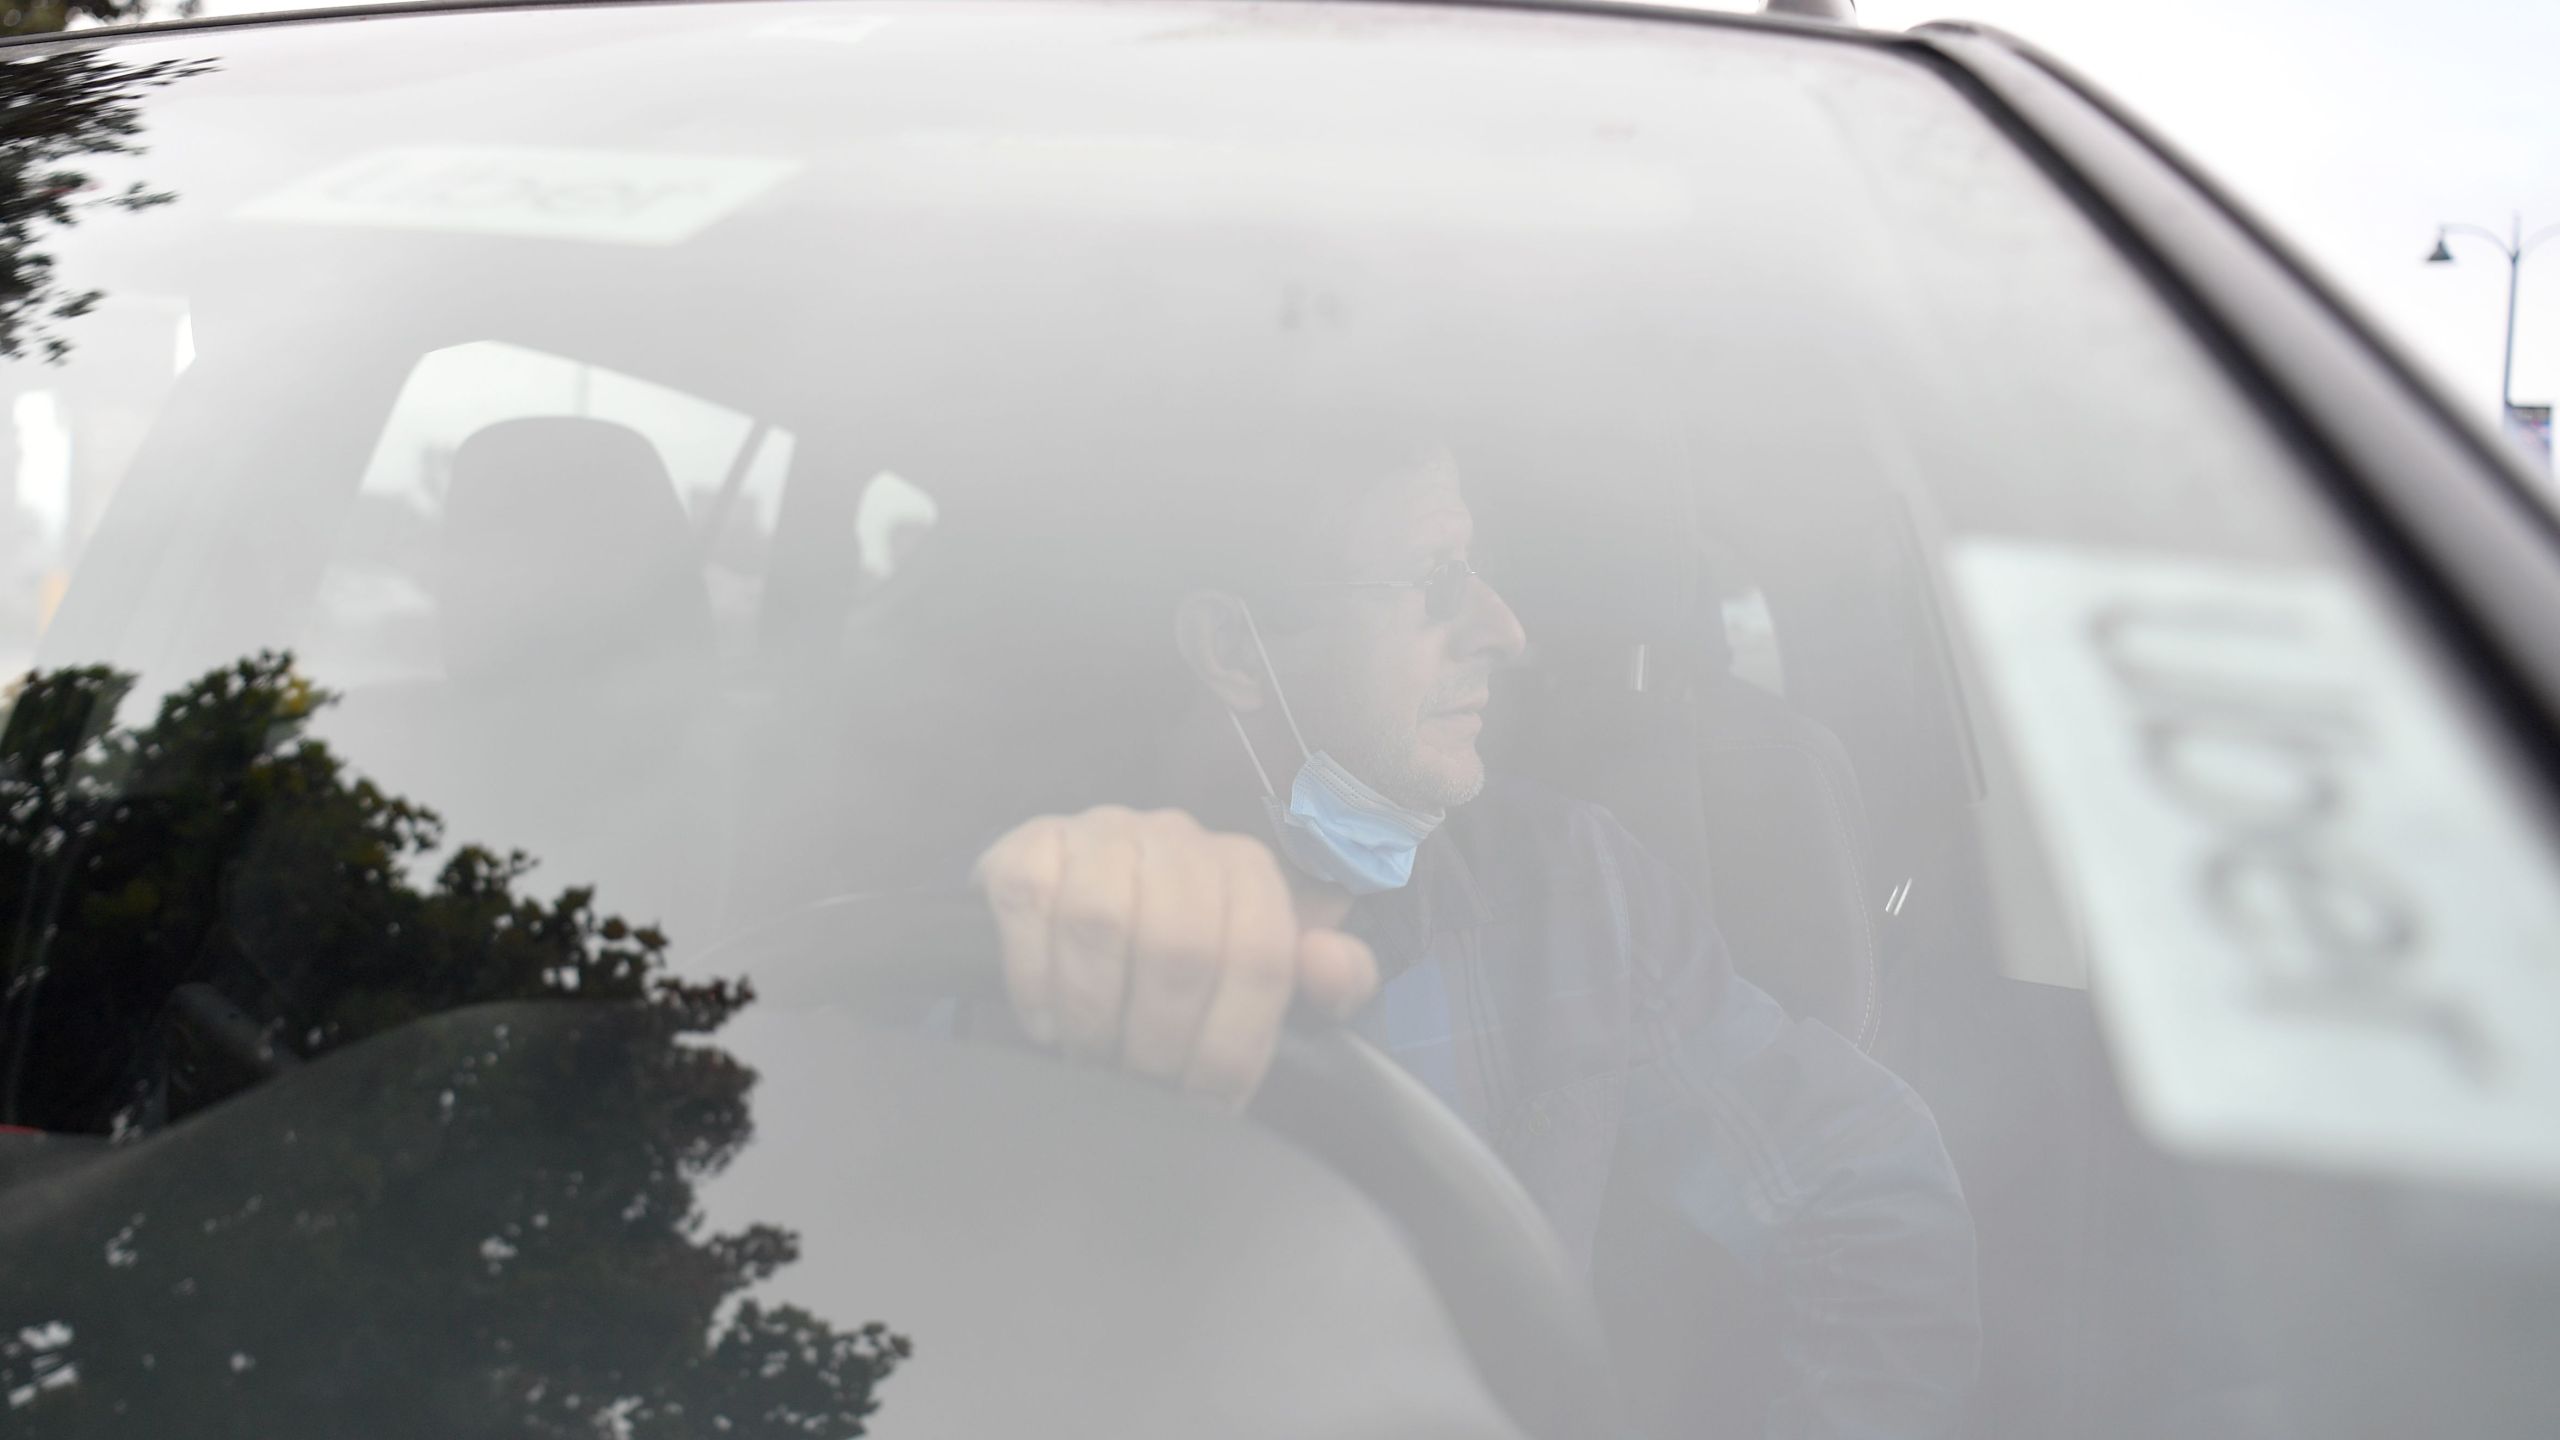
(1412, 786)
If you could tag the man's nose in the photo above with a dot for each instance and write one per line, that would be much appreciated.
(1487, 629)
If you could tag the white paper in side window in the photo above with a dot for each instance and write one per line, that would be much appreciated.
(2321, 929)
(615, 197)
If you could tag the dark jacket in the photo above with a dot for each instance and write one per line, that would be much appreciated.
(1570, 997)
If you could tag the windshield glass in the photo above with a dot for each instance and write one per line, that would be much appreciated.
(1867, 775)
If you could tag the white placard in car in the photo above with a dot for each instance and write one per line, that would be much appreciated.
(2322, 928)
(612, 196)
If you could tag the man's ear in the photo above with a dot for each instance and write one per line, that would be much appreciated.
(1216, 641)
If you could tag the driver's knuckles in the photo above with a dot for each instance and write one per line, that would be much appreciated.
(1150, 940)
(1019, 876)
(1065, 892)
(1093, 926)
(1176, 955)
(1257, 976)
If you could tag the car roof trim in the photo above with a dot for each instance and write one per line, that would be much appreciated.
(1671, 10)
(2440, 504)
(2485, 442)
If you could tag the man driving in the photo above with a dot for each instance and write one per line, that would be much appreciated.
(1328, 838)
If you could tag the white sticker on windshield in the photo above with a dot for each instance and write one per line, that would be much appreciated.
(2321, 930)
(616, 197)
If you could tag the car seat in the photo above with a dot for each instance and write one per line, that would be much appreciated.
(1753, 800)
(1787, 849)
(566, 557)
(576, 631)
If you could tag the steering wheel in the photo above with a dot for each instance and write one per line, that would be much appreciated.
(1526, 1323)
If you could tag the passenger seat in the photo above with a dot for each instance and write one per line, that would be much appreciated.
(574, 717)
(1787, 848)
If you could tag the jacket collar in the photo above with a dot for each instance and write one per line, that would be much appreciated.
(1399, 926)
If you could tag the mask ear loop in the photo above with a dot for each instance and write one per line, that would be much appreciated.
(1278, 694)
(1259, 772)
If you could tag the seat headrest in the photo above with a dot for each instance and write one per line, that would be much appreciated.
(566, 552)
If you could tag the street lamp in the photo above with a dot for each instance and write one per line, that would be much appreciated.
(2515, 245)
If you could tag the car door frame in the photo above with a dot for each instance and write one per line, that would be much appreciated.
(2444, 505)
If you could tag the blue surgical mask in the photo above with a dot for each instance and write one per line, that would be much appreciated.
(1333, 825)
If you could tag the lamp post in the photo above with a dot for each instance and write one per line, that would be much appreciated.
(2515, 245)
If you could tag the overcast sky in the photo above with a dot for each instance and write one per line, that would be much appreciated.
(2353, 126)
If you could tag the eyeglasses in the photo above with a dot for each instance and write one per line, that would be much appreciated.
(1444, 590)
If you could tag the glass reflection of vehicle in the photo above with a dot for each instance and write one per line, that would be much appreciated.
(708, 447)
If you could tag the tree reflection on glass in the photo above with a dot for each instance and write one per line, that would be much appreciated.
(483, 1220)
(44, 17)
(54, 109)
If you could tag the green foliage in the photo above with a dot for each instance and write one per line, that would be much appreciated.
(218, 845)
(484, 1221)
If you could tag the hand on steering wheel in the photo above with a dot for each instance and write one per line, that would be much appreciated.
(1512, 1296)
(1146, 941)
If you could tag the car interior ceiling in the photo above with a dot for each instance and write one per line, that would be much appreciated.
(1802, 813)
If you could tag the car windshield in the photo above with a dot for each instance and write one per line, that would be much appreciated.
(537, 504)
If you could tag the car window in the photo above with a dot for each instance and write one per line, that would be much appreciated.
(534, 505)
(73, 442)
(373, 616)
(895, 517)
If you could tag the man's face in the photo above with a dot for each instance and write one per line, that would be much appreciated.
(1374, 679)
